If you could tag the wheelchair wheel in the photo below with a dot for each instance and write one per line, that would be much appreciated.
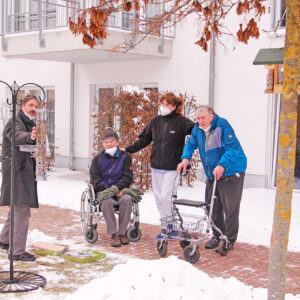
(133, 234)
(191, 258)
(184, 243)
(162, 247)
(91, 235)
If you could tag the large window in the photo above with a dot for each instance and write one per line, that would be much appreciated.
(100, 98)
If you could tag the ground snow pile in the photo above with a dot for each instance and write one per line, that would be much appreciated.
(164, 279)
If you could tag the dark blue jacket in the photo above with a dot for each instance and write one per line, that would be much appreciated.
(106, 171)
(219, 147)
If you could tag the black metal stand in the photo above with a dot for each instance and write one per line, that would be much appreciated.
(17, 281)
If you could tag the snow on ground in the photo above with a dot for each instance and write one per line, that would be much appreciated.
(166, 278)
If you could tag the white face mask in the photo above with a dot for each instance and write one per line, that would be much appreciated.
(165, 111)
(111, 151)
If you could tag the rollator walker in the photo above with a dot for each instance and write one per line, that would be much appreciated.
(192, 229)
(90, 216)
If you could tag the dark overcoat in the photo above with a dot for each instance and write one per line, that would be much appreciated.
(25, 184)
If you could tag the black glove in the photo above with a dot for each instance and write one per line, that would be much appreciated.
(108, 193)
(134, 193)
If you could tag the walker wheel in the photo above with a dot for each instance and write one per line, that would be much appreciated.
(191, 258)
(162, 248)
(184, 243)
(133, 234)
(222, 249)
(91, 235)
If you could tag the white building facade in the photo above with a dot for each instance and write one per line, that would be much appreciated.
(38, 47)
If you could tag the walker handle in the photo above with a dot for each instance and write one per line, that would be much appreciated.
(186, 170)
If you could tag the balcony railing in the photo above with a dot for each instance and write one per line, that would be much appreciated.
(38, 15)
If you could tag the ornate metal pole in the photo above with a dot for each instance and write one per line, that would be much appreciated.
(22, 281)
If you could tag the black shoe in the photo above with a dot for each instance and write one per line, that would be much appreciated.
(212, 243)
(24, 257)
(4, 246)
(230, 245)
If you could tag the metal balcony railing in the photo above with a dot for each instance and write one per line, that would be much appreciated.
(22, 16)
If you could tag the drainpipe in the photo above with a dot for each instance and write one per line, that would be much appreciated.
(71, 155)
(4, 46)
(212, 58)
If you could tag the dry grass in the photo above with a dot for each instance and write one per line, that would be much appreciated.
(63, 276)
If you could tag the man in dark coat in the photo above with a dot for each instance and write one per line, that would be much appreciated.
(25, 183)
(111, 175)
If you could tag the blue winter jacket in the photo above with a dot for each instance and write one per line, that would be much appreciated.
(219, 147)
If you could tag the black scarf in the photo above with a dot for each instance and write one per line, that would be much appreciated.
(28, 123)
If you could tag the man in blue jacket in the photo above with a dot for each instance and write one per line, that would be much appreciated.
(223, 159)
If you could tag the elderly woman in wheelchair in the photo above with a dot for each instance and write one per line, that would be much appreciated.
(109, 193)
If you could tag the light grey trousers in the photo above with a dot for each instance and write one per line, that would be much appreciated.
(125, 208)
(162, 185)
(21, 225)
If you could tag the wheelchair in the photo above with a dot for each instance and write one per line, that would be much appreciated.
(90, 216)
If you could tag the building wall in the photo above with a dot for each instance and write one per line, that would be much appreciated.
(50, 74)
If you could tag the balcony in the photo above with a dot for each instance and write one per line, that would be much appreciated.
(39, 30)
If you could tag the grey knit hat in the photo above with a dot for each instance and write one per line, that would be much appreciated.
(109, 133)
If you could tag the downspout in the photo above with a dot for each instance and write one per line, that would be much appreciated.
(71, 155)
(212, 58)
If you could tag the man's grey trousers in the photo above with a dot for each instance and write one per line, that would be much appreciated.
(125, 208)
(21, 225)
(226, 208)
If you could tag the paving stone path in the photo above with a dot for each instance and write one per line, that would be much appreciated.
(247, 263)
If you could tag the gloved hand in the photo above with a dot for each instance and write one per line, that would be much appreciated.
(108, 193)
(135, 193)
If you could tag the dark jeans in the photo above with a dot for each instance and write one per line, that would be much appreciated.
(226, 208)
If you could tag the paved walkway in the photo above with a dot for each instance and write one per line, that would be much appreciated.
(247, 263)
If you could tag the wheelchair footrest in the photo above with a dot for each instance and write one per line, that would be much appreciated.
(190, 202)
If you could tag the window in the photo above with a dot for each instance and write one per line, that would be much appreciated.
(127, 20)
(279, 9)
(282, 13)
(153, 9)
(20, 15)
(102, 115)
(49, 14)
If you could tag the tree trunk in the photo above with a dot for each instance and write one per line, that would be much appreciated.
(286, 154)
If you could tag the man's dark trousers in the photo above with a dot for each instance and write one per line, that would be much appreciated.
(226, 208)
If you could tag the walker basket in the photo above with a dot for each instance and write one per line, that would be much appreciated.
(184, 223)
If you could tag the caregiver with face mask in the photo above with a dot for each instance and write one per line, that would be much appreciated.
(167, 131)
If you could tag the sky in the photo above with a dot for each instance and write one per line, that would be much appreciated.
(173, 278)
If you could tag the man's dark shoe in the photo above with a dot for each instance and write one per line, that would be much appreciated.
(230, 245)
(24, 257)
(212, 243)
(124, 240)
(4, 246)
(115, 241)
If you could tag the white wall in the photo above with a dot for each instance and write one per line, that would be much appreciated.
(45, 74)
